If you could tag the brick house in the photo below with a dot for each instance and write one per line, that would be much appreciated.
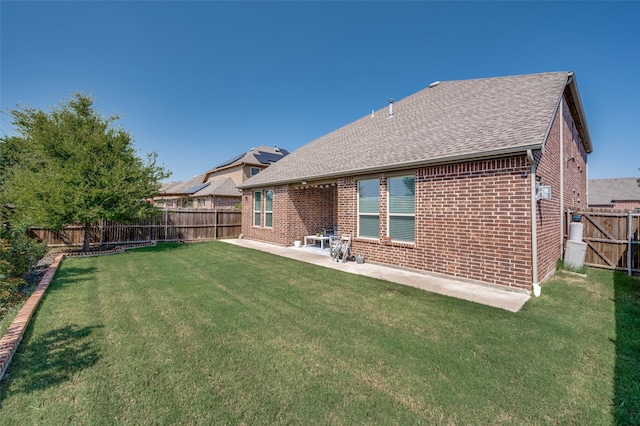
(217, 188)
(445, 180)
(614, 194)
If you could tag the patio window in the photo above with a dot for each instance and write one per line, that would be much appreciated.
(402, 208)
(257, 204)
(369, 208)
(268, 208)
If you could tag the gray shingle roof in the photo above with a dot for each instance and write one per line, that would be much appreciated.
(262, 155)
(194, 187)
(226, 187)
(181, 187)
(451, 120)
(607, 191)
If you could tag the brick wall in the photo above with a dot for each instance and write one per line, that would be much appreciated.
(550, 218)
(626, 205)
(472, 221)
(225, 203)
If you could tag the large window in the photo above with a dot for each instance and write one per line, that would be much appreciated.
(268, 208)
(369, 208)
(402, 208)
(257, 204)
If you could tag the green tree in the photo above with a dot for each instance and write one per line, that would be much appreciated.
(11, 150)
(72, 166)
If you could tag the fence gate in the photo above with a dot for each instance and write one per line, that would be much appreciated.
(613, 240)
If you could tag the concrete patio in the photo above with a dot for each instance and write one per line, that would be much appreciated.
(470, 291)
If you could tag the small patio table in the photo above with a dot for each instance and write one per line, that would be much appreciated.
(316, 238)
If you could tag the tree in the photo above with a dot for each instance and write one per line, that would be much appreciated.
(72, 166)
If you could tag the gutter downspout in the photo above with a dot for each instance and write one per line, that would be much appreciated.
(562, 162)
(534, 224)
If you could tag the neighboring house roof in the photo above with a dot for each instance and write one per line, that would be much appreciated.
(446, 122)
(194, 187)
(226, 187)
(260, 156)
(608, 191)
(183, 188)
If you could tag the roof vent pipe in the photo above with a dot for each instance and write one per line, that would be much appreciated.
(390, 107)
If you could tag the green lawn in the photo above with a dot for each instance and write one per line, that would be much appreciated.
(214, 333)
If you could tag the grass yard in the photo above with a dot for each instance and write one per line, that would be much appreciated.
(217, 334)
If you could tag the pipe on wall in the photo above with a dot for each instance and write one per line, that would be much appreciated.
(534, 222)
(562, 164)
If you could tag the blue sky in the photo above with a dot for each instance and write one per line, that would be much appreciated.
(199, 82)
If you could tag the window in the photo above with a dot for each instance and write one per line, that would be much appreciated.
(254, 171)
(257, 203)
(402, 208)
(200, 203)
(369, 208)
(268, 208)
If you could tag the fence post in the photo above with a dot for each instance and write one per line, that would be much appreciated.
(629, 244)
(166, 213)
(215, 224)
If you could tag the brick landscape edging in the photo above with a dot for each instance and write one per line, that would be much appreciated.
(13, 336)
(11, 339)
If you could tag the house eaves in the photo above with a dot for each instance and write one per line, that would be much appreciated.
(489, 155)
(575, 105)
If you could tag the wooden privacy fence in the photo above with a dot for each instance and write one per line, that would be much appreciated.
(612, 238)
(166, 225)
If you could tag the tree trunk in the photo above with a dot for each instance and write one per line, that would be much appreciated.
(87, 237)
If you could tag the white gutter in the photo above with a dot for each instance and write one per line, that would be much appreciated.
(534, 225)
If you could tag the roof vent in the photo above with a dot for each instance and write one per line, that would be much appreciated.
(390, 107)
(434, 84)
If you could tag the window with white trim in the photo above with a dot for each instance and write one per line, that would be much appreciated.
(369, 208)
(401, 223)
(268, 208)
(257, 204)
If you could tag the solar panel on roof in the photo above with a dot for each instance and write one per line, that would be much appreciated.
(268, 157)
(233, 160)
(197, 188)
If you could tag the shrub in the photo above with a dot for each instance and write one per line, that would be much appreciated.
(18, 254)
(20, 251)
